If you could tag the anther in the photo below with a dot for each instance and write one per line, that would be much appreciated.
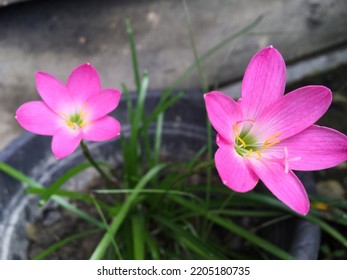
(242, 142)
(249, 152)
(267, 144)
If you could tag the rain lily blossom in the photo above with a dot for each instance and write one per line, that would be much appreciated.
(71, 112)
(266, 134)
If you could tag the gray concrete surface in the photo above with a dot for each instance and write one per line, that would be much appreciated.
(56, 36)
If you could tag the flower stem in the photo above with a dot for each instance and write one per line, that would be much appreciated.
(89, 157)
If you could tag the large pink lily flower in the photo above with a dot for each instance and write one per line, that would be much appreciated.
(71, 112)
(266, 134)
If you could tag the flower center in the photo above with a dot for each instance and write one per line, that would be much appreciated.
(246, 144)
(76, 119)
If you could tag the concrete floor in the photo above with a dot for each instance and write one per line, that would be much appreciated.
(56, 36)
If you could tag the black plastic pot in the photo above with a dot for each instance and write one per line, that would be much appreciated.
(184, 134)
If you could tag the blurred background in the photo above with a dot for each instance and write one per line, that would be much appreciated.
(56, 36)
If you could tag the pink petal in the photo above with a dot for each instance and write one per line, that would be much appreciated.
(99, 105)
(223, 113)
(53, 92)
(233, 169)
(102, 129)
(293, 113)
(83, 82)
(65, 141)
(285, 186)
(263, 82)
(314, 148)
(37, 118)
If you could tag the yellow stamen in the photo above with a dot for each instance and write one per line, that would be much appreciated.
(71, 124)
(259, 155)
(267, 144)
(82, 112)
(249, 152)
(272, 137)
(242, 142)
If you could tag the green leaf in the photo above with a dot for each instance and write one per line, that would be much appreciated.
(19, 175)
(128, 102)
(78, 212)
(123, 212)
(62, 180)
(231, 226)
(138, 234)
(134, 59)
(72, 195)
(114, 243)
(328, 229)
(194, 243)
(132, 147)
(26, 180)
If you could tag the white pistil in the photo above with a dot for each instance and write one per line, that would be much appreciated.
(287, 160)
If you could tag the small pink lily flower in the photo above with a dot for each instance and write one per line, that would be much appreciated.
(266, 134)
(71, 112)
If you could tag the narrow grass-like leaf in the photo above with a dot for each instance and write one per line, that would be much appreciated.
(202, 77)
(150, 191)
(133, 154)
(78, 212)
(196, 158)
(72, 195)
(134, 59)
(244, 233)
(157, 139)
(138, 234)
(246, 213)
(216, 48)
(14, 173)
(68, 206)
(126, 153)
(202, 249)
(261, 198)
(160, 108)
(123, 212)
(152, 246)
(128, 102)
(328, 229)
(62, 180)
(113, 241)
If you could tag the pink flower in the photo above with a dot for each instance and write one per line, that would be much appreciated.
(266, 135)
(71, 112)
